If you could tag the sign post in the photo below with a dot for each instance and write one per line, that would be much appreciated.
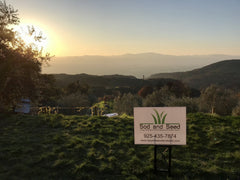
(165, 126)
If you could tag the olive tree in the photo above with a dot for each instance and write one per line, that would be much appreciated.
(190, 103)
(215, 99)
(158, 98)
(126, 103)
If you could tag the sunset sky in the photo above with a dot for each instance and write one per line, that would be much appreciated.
(114, 27)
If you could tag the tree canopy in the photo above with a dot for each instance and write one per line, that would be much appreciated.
(218, 100)
(20, 63)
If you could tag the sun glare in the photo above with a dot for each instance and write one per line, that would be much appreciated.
(29, 36)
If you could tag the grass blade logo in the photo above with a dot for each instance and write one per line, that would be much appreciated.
(159, 119)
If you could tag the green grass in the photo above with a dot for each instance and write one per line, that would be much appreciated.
(81, 147)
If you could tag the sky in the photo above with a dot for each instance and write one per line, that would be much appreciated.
(115, 27)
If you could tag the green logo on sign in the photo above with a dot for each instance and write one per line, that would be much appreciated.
(159, 119)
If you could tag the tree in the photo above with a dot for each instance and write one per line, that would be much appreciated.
(178, 88)
(126, 103)
(158, 98)
(209, 98)
(49, 93)
(77, 87)
(74, 103)
(144, 91)
(20, 64)
(190, 103)
(218, 100)
(74, 100)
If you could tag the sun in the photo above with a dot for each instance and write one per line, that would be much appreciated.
(29, 33)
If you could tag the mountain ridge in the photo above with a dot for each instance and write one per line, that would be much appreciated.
(224, 73)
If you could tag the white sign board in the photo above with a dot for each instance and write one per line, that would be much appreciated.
(160, 125)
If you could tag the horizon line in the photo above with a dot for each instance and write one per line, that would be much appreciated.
(153, 53)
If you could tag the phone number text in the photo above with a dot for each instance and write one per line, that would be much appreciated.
(169, 136)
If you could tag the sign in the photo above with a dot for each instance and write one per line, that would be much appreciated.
(160, 125)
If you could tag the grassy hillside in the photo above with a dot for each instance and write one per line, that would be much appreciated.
(225, 73)
(81, 147)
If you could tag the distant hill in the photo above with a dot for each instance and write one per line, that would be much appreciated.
(109, 81)
(130, 64)
(224, 73)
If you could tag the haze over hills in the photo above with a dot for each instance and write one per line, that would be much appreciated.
(225, 73)
(130, 64)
